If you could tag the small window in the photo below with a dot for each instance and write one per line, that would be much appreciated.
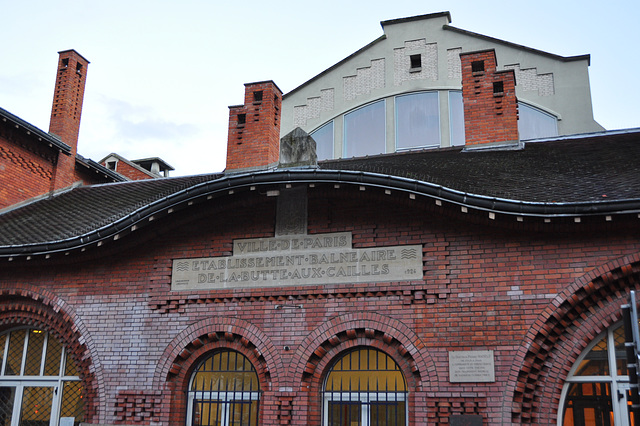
(224, 391)
(111, 165)
(365, 387)
(416, 61)
(257, 96)
(477, 67)
(498, 87)
(65, 62)
(78, 67)
(242, 119)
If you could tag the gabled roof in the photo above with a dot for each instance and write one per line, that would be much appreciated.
(594, 174)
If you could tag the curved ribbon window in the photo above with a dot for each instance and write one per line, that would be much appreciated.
(596, 391)
(365, 387)
(224, 390)
(39, 382)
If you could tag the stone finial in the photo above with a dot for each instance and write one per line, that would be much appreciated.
(298, 149)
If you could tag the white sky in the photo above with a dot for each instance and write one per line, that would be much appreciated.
(163, 73)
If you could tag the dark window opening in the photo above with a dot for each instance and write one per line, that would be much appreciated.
(111, 165)
(257, 96)
(242, 119)
(416, 61)
(498, 87)
(477, 66)
(78, 68)
(65, 62)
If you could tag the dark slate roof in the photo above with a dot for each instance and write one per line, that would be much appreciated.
(599, 167)
(592, 174)
(86, 209)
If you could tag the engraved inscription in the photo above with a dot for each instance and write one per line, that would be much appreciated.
(471, 366)
(298, 260)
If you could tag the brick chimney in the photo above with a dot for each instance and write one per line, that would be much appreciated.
(254, 128)
(67, 110)
(489, 98)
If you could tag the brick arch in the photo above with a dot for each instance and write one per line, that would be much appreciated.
(27, 305)
(571, 321)
(185, 351)
(320, 348)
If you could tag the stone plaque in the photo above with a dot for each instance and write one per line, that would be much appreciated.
(298, 260)
(471, 367)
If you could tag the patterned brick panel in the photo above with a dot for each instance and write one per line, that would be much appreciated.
(138, 408)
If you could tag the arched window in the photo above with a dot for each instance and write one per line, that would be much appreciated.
(224, 390)
(417, 120)
(365, 131)
(324, 141)
(597, 388)
(39, 382)
(365, 387)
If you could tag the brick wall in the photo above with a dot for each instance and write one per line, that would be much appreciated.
(254, 128)
(498, 284)
(489, 98)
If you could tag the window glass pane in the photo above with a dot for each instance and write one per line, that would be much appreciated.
(365, 131)
(353, 372)
(621, 354)
(34, 353)
(344, 413)
(14, 355)
(456, 118)
(534, 123)
(588, 404)
(53, 357)
(207, 413)
(7, 396)
(417, 120)
(70, 366)
(324, 141)
(387, 414)
(36, 405)
(595, 363)
(72, 402)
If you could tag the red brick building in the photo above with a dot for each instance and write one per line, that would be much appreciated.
(467, 285)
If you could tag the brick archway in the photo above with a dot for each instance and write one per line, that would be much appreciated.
(185, 351)
(314, 356)
(560, 334)
(25, 305)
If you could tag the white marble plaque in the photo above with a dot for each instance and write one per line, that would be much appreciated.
(298, 260)
(471, 367)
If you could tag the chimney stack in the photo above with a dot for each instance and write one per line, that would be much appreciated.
(254, 128)
(66, 111)
(489, 98)
(67, 98)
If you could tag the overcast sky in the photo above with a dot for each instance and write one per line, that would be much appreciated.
(163, 73)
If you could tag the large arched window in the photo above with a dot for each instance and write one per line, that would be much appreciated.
(39, 383)
(597, 389)
(534, 123)
(417, 120)
(224, 390)
(365, 131)
(365, 387)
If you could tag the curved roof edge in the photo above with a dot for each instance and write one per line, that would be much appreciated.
(223, 185)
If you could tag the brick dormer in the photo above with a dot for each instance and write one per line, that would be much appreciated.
(490, 103)
(254, 128)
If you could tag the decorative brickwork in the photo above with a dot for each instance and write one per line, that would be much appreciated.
(402, 67)
(440, 410)
(314, 108)
(365, 81)
(138, 408)
(529, 80)
(489, 98)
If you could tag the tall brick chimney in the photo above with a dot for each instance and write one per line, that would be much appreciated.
(254, 128)
(67, 110)
(489, 98)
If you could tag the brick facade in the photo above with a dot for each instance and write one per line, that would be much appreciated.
(535, 293)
